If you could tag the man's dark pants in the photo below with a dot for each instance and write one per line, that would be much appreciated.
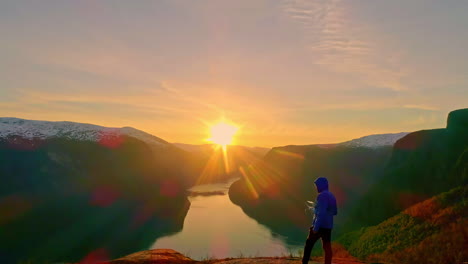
(325, 235)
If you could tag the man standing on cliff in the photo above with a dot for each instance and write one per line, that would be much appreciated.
(325, 209)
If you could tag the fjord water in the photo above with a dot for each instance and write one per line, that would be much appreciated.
(216, 228)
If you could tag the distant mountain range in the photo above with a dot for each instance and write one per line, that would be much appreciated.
(34, 129)
(194, 157)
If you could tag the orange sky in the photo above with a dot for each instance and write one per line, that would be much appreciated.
(287, 72)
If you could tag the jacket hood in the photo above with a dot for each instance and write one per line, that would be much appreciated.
(322, 184)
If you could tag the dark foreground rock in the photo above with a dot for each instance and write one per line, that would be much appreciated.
(170, 256)
(159, 256)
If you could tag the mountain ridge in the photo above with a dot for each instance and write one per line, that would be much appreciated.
(12, 126)
(29, 128)
(375, 140)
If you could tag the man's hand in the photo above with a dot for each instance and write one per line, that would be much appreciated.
(312, 230)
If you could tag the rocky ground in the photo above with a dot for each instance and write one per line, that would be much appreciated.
(169, 256)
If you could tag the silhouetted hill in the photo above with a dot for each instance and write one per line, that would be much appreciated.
(273, 190)
(371, 183)
(432, 231)
(423, 164)
(21, 132)
(63, 198)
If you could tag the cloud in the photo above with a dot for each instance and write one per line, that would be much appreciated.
(340, 43)
(421, 107)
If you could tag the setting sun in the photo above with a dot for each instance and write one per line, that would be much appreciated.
(222, 133)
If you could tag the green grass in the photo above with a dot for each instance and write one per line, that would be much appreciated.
(413, 234)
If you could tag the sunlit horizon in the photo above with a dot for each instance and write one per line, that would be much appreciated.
(290, 72)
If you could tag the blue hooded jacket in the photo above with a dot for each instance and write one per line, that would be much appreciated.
(325, 207)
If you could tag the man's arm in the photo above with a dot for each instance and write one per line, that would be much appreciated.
(320, 211)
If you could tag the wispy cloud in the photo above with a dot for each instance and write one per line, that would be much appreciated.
(340, 43)
(422, 107)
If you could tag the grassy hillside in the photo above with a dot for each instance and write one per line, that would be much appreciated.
(433, 231)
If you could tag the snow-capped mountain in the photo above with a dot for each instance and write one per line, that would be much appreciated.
(374, 141)
(10, 126)
(79, 131)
